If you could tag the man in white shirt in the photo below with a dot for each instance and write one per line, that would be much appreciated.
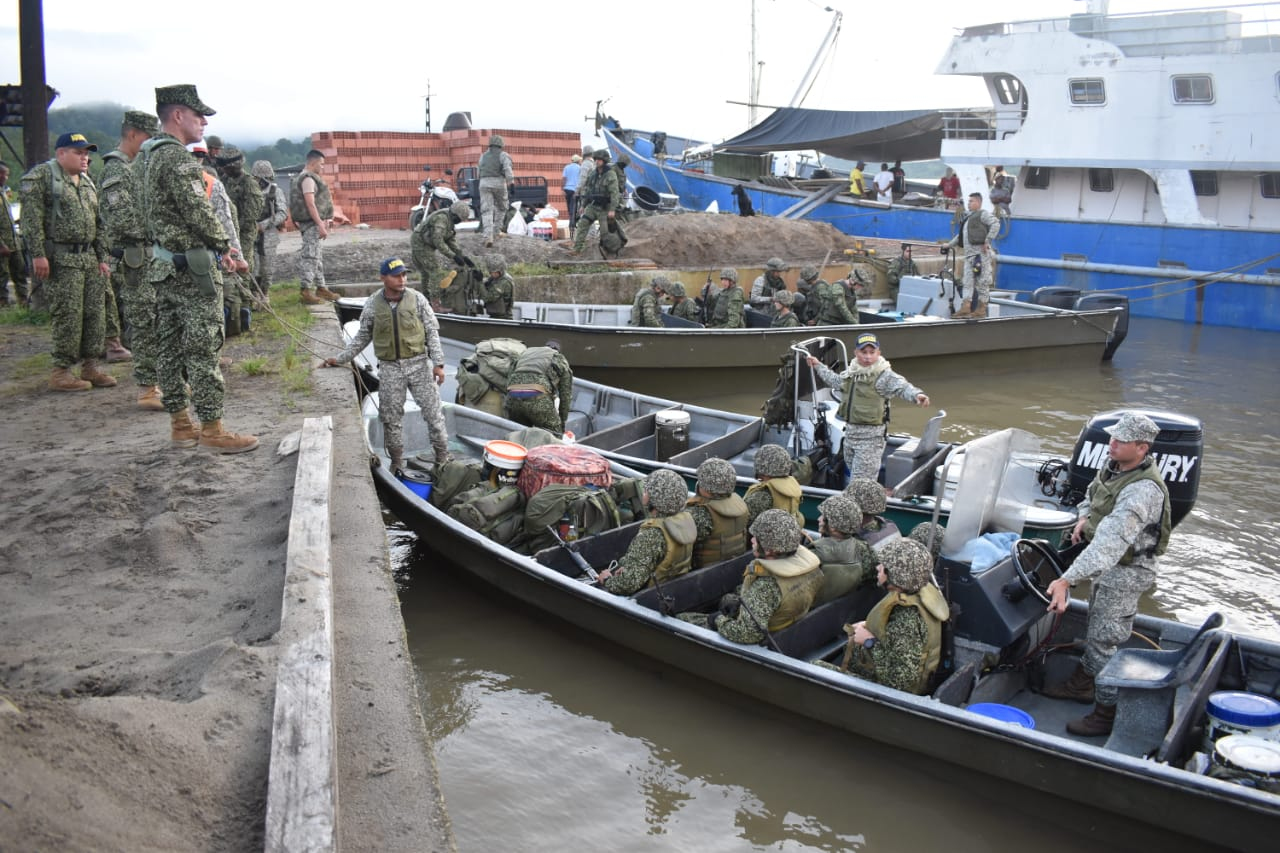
(884, 184)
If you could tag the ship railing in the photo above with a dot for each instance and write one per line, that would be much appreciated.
(969, 124)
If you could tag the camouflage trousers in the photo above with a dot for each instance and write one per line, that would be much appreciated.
(13, 267)
(493, 205)
(593, 213)
(113, 310)
(189, 330)
(232, 299)
(76, 293)
(540, 411)
(413, 374)
(264, 256)
(428, 267)
(311, 258)
(864, 449)
(1111, 613)
(977, 288)
(139, 298)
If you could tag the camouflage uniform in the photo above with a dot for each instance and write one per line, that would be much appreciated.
(977, 292)
(76, 288)
(847, 562)
(499, 289)
(898, 267)
(600, 192)
(311, 256)
(784, 317)
(833, 310)
(13, 266)
(243, 190)
(123, 229)
(496, 172)
(665, 493)
(435, 233)
(864, 443)
(275, 210)
(225, 210)
(644, 309)
(727, 312)
(541, 410)
(682, 306)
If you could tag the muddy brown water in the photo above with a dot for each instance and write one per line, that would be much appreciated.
(550, 739)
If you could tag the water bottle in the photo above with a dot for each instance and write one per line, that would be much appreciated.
(573, 531)
(565, 527)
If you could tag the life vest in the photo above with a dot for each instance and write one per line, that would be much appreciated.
(728, 536)
(786, 495)
(798, 576)
(885, 532)
(720, 317)
(842, 567)
(298, 203)
(643, 295)
(680, 533)
(1106, 488)
(976, 230)
(491, 164)
(932, 608)
(398, 333)
(862, 403)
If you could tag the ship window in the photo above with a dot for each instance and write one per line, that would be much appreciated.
(1270, 184)
(1008, 89)
(1088, 91)
(1037, 178)
(1193, 89)
(1102, 180)
(1204, 183)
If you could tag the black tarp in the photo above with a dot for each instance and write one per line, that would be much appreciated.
(872, 135)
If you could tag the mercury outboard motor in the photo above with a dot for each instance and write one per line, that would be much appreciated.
(1177, 450)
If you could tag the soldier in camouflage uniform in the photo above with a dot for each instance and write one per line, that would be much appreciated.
(929, 534)
(311, 206)
(13, 266)
(225, 211)
(783, 316)
(663, 547)
(777, 487)
(60, 226)
(977, 230)
(727, 313)
(246, 198)
(767, 285)
(275, 210)
(437, 233)
(496, 173)
(867, 385)
(847, 561)
(832, 309)
(681, 305)
(406, 340)
(499, 289)
(644, 309)
(719, 515)
(540, 388)
(620, 175)
(1125, 520)
(777, 589)
(898, 267)
(601, 197)
(125, 233)
(875, 529)
(184, 269)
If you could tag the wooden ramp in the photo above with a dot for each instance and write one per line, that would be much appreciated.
(806, 205)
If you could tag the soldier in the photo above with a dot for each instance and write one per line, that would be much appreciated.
(406, 341)
(783, 316)
(540, 388)
(13, 266)
(275, 210)
(214, 146)
(867, 385)
(663, 547)
(225, 212)
(720, 515)
(847, 561)
(601, 195)
(1125, 520)
(499, 289)
(978, 228)
(929, 534)
(833, 310)
(900, 642)
(496, 173)
(806, 304)
(777, 589)
(60, 226)
(311, 206)
(437, 233)
(125, 233)
(898, 267)
(620, 175)
(727, 311)
(768, 284)
(681, 305)
(187, 241)
(248, 201)
(874, 529)
(644, 310)
(777, 487)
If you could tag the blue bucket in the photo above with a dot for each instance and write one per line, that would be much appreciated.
(1003, 713)
(419, 488)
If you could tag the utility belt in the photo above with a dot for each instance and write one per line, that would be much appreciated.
(134, 255)
(526, 391)
(199, 263)
(598, 199)
(52, 247)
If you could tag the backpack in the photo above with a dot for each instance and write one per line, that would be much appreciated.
(497, 513)
(780, 408)
(590, 509)
(452, 479)
(628, 496)
(493, 361)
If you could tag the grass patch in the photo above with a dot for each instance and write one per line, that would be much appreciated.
(275, 338)
(255, 366)
(523, 270)
(27, 375)
(17, 316)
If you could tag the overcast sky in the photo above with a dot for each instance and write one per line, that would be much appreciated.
(663, 64)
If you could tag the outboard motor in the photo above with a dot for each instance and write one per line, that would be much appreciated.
(1177, 449)
(1107, 299)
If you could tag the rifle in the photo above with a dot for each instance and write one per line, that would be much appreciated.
(764, 629)
(704, 301)
(574, 554)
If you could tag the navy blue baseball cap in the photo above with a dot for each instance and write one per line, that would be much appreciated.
(393, 266)
(74, 140)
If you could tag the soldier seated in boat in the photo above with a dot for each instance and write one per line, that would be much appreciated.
(783, 316)
(663, 548)
(777, 589)
(767, 285)
(681, 305)
(644, 309)
(720, 515)
(876, 530)
(726, 311)
(929, 534)
(777, 489)
(847, 561)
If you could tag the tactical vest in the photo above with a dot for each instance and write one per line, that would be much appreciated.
(975, 229)
(298, 202)
(119, 182)
(491, 164)
(535, 362)
(680, 533)
(728, 536)
(841, 567)
(720, 317)
(398, 332)
(644, 294)
(862, 402)
(799, 578)
(933, 609)
(1106, 488)
(144, 155)
(885, 533)
(786, 495)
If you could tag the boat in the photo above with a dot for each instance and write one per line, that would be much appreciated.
(1153, 769)
(1146, 147)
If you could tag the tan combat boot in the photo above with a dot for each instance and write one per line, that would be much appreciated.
(89, 372)
(1078, 687)
(150, 398)
(980, 311)
(214, 437)
(116, 351)
(182, 432)
(309, 298)
(964, 311)
(326, 294)
(62, 380)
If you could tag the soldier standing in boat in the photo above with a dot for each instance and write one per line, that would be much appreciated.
(663, 547)
(540, 388)
(978, 228)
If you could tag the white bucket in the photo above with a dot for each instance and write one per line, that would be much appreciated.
(1234, 712)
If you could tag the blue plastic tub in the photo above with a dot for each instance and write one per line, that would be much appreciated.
(422, 490)
(1003, 713)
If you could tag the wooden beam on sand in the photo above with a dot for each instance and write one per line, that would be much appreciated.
(302, 793)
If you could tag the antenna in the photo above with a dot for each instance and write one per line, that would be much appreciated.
(427, 98)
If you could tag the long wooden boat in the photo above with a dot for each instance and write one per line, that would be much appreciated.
(1150, 770)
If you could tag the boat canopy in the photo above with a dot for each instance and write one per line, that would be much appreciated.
(871, 135)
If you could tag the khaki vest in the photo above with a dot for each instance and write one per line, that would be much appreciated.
(976, 230)
(841, 567)
(798, 576)
(398, 333)
(680, 533)
(491, 163)
(862, 403)
(932, 607)
(298, 203)
(786, 495)
(1106, 488)
(728, 536)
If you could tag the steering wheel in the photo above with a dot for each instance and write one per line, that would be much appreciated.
(1031, 557)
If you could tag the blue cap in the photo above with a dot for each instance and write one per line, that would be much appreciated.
(393, 266)
(74, 140)
(867, 339)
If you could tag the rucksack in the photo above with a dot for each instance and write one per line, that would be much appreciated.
(497, 513)
(628, 496)
(452, 479)
(590, 509)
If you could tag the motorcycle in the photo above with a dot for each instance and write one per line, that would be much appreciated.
(436, 194)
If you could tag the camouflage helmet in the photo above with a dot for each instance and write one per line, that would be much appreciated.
(213, 141)
(926, 531)
(666, 490)
(809, 272)
(775, 265)
(906, 565)
(717, 477)
(461, 209)
(624, 159)
(676, 289)
(262, 169)
(773, 460)
(784, 297)
(497, 141)
(230, 155)
(729, 273)
(842, 513)
(602, 155)
(776, 532)
(660, 282)
(495, 262)
(868, 493)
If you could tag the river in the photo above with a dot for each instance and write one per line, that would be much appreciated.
(549, 739)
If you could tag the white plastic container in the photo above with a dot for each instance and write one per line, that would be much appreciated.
(1234, 712)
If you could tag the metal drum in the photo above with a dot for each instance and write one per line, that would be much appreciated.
(672, 434)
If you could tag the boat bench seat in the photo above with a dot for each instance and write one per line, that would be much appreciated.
(1189, 708)
(817, 627)
(726, 446)
(698, 588)
(620, 436)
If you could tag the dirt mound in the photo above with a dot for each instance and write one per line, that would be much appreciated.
(698, 240)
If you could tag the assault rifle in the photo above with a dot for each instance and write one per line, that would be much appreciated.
(574, 554)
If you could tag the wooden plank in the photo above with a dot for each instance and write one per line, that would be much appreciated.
(302, 791)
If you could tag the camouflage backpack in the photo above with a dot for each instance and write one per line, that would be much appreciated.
(590, 509)
(497, 513)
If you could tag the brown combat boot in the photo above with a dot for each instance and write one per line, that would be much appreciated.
(89, 372)
(182, 432)
(963, 312)
(1078, 687)
(214, 437)
(979, 312)
(116, 351)
(150, 398)
(326, 294)
(309, 298)
(1096, 723)
(63, 380)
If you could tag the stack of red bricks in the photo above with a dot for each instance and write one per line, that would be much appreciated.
(374, 175)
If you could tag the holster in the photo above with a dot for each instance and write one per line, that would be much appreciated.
(134, 257)
(202, 267)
